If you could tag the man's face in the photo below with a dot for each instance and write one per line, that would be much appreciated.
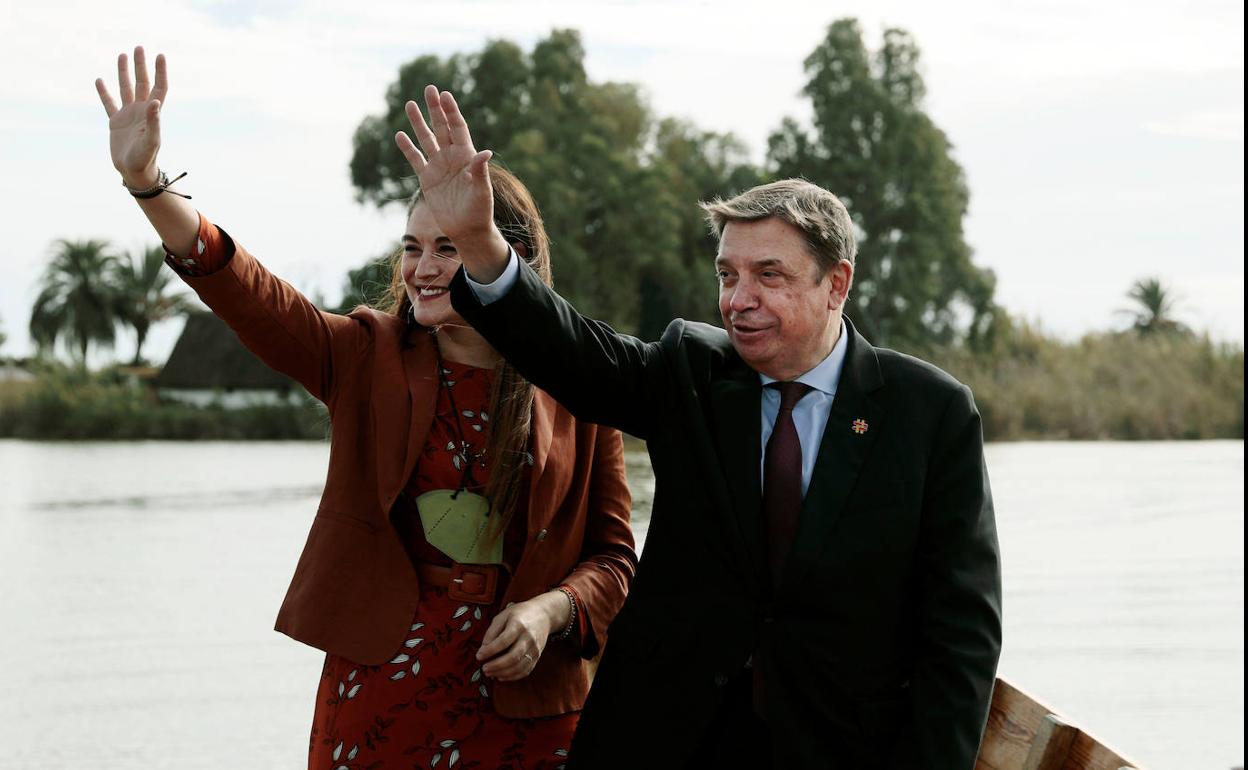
(781, 320)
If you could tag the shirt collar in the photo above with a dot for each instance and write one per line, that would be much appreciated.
(825, 376)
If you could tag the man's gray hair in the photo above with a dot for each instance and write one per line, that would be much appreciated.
(818, 214)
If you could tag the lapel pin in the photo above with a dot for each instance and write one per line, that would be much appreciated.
(860, 426)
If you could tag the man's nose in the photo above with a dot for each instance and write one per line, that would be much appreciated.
(743, 297)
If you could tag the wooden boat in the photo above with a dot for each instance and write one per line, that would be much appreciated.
(1025, 734)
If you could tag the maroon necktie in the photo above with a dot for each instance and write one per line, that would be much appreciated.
(782, 478)
(782, 501)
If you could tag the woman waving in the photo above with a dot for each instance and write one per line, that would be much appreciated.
(472, 541)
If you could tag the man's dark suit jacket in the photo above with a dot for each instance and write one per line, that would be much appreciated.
(879, 646)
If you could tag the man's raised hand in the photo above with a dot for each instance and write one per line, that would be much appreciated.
(454, 181)
(134, 127)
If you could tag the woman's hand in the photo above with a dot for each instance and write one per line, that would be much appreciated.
(455, 182)
(517, 635)
(134, 127)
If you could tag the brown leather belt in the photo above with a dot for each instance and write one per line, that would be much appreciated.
(475, 583)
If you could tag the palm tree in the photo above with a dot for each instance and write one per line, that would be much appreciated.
(1155, 308)
(75, 302)
(141, 294)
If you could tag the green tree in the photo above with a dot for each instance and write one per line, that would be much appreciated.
(602, 170)
(142, 296)
(367, 284)
(3, 338)
(874, 146)
(75, 301)
(688, 164)
(1154, 311)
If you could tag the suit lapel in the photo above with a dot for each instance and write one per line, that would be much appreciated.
(736, 402)
(841, 454)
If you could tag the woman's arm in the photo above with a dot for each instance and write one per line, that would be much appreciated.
(598, 585)
(134, 141)
(608, 554)
(270, 317)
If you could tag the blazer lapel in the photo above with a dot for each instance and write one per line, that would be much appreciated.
(401, 418)
(545, 413)
(843, 448)
(736, 401)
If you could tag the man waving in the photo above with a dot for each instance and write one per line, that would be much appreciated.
(820, 585)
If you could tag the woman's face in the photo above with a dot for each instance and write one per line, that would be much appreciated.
(429, 263)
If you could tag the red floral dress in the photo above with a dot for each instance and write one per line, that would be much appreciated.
(429, 707)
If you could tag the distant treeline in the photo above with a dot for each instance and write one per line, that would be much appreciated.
(1115, 385)
(1106, 386)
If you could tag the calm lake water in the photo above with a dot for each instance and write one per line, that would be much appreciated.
(139, 583)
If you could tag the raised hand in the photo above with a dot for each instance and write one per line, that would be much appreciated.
(454, 176)
(134, 127)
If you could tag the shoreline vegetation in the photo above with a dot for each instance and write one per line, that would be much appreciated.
(1106, 386)
(71, 404)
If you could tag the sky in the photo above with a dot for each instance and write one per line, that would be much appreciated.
(1102, 143)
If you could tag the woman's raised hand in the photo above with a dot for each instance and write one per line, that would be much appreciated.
(454, 177)
(134, 127)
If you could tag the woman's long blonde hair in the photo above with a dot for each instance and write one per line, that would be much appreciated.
(511, 400)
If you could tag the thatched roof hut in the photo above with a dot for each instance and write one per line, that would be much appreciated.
(208, 363)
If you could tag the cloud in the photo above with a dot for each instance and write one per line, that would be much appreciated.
(1215, 126)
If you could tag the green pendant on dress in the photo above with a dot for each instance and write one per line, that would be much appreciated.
(456, 523)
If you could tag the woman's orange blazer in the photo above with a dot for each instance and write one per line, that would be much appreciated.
(355, 591)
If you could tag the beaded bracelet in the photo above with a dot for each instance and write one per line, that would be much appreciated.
(567, 631)
(162, 185)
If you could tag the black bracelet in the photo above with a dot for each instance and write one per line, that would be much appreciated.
(162, 185)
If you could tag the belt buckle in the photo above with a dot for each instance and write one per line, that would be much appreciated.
(475, 583)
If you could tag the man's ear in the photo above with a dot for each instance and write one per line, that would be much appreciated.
(840, 278)
(522, 251)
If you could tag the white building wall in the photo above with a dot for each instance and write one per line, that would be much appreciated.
(233, 399)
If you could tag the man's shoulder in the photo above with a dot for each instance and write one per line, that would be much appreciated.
(916, 374)
(695, 334)
(705, 347)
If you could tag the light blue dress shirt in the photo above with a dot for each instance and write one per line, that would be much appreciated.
(810, 416)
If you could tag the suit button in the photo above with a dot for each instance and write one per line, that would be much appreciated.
(721, 680)
(541, 536)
